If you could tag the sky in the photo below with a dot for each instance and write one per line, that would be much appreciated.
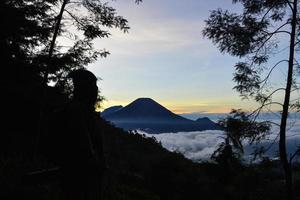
(165, 57)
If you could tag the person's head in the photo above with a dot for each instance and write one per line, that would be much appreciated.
(85, 86)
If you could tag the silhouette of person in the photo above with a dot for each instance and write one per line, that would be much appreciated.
(81, 165)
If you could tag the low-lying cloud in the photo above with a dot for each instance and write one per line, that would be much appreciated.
(200, 145)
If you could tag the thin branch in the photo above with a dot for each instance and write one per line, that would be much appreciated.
(283, 49)
(274, 123)
(271, 111)
(278, 29)
(258, 110)
(270, 72)
(268, 38)
(75, 18)
(294, 155)
(275, 103)
(278, 89)
(296, 134)
(297, 42)
(296, 62)
(282, 32)
(297, 99)
(296, 89)
(290, 5)
(265, 15)
(273, 142)
(275, 32)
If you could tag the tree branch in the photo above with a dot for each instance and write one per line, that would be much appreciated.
(270, 72)
(265, 15)
(297, 42)
(75, 18)
(275, 32)
(282, 32)
(290, 5)
(258, 110)
(274, 123)
(278, 89)
(268, 38)
(273, 142)
(294, 155)
(276, 114)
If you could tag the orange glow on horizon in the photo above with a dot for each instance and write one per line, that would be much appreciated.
(177, 108)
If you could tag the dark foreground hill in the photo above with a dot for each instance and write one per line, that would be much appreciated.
(148, 115)
(140, 168)
(137, 167)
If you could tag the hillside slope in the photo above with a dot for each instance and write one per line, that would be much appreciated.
(137, 168)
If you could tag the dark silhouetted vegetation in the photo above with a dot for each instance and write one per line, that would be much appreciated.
(140, 168)
(136, 167)
(254, 35)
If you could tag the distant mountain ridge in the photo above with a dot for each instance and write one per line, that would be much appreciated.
(147, 115)
(144, 109)
(110, 110)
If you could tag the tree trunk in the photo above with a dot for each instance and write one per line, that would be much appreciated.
(55, 34)
(46, 73)
(282, 140)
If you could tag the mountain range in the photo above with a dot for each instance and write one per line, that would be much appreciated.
(147, 115)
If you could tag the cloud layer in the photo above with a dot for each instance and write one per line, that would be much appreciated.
(199, 146)
(193, 145)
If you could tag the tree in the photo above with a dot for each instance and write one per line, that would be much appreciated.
(25, 26)
(252, 35)
(32, 33)
(33, 41)
(92, 19)
(238, 128)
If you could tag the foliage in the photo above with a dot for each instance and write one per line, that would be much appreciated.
(255, 35)
(250, 35)
(28, 27)
(92, 19)
(239, 128)
(28, 39)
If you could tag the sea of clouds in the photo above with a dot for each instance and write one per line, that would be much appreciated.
(199, 145)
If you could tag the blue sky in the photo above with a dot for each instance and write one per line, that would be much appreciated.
(165, 57)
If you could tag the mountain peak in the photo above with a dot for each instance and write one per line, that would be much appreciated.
(144, 100)
(146, 103)
(148, 115)
(145, 108)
